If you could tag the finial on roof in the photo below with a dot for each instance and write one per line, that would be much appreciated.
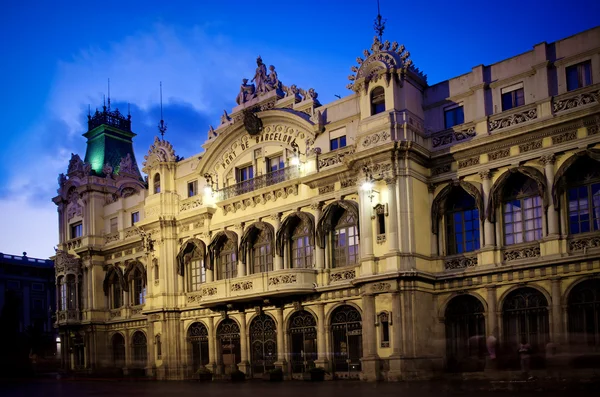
(379, 24)
(162, 126)
(109, 94)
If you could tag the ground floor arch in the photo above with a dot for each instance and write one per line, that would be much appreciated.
(118, 350)
(228, 344)
(139, 345)
(346, 337)
(303, 341)
(198, 339)
(583, 323)
(263, 343)
(464, 322)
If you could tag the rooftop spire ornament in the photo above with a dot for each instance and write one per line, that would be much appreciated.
(162, 126)
(379, 24)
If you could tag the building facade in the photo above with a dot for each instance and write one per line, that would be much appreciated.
(396, 233)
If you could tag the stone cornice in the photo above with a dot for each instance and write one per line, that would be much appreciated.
(513, 78)
(576, 57)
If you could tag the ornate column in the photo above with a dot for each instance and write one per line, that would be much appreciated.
(320, 252)
(278, 265)
(556, 316)
(241, 267)
(395, 371)
(244, 364)
(321, 336)
(489, 232)
(366, 225)
(370, 360)
(281, 363)
(548, 162)
(391, 224)
(211, 344)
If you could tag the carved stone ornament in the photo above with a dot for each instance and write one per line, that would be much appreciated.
(107, 170)
(283, 279)
(581, 244)
(77, 167)
(127, 166)
(342, 275)
(498, 154)
(252, 123)
(522, 253)
(462, 262)
(66, 263)
(241, 286)
(529, 146)
(161, 151)
(576, 101)
(513, 119)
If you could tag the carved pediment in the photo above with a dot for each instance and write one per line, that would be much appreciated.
(161, 151)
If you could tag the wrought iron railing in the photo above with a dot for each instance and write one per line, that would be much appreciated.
(265, 180)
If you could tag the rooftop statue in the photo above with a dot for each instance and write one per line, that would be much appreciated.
(260, 77)
(246, 92)
(273, 82)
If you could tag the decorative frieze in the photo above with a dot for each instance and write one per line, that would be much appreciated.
(283, 279)
(462, 262)
(593, 130)
(209, 291)
(348, 182)
(374, 139)
(241, 286)
(380, 287)
(441, 170)
(529, 146)
(462, 135)
(109, 238)
(442, 140)
(194, 298)
(522, 253)
(325, 189)
(190, 205)
(132, 232)
(564, 137)
(381, 239)
(342, 275)
(335, 157)
(136, 311)
(512, 120)
(576, 101)
(115, 313)
(499, 154)
(548, 159)
(264, 198)
(468, 162)
(582, 244)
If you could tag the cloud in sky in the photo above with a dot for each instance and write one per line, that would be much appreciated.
(200, 72)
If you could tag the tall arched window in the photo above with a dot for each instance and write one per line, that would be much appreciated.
(465, 334)
(345, 241)
(302, 249)
(198, 338)
(116, 292)
(71, 292)
(257, 247)
(140, 349)
(118, 348)
(525, 317)
(62, 293)
(583, 195)
(346, 336)
(377, 100)
(462, 222)
(584, 315)
(137, 284)
(227, 261)
(522, 210)
(157, 183)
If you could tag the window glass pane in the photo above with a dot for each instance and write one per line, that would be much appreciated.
(507, 101)
(343, 141)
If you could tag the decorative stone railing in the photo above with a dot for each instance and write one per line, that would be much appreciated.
(513, 253)
(342, 274)
(115, 313)
(268, 284)
(335, 157)
(110, 237)
(190, 203)
(576, 99)
(512, 117)
(74, 243)
(583, 243)
(457, 262)
(136, 310)
(131, 232)
(272, 178)
(447, 138)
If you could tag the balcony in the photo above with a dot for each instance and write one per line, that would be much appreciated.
(272, 178)
(255, 287)
(70, 316)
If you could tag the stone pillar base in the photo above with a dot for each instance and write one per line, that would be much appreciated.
(323, 363)
(244, 366)
(395, 372)
(370, 369)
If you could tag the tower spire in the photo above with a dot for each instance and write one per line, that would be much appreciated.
(109, 93)
(162, 126)
(379, 24)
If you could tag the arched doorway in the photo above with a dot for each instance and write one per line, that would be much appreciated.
(465, 334)
(303, 340)
(346, 334)
(525, 317)
(263, 344)
(584, 322)
(140, 349)
(228, 339)
(198, 338)
(118, 350)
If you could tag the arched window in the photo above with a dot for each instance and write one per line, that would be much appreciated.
(116, 292)
(303, 340)
(583, 195)
(190, 264)
(227, 261)
(62, 293)
(383, 319)
(465, 334)
(137, 283)
(522, 210)
(462, 222)
(257, 247)
(584, 315)
(140, 349)
(263, 343)
(118, 349)
(157, 183)
(198, 338)
(377, 100)
(346, 335)
(525, 317)
(71, 291)
(228, 337)
(345, 241)
(301, 247)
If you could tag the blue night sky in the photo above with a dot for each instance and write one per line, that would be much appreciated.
(57, 57)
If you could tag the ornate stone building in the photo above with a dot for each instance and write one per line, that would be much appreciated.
(401, 231)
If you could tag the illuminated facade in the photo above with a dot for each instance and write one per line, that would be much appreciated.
(386, 235)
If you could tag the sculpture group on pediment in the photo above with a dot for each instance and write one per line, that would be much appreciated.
(126, 166)
(246, 92)
(77, 167)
